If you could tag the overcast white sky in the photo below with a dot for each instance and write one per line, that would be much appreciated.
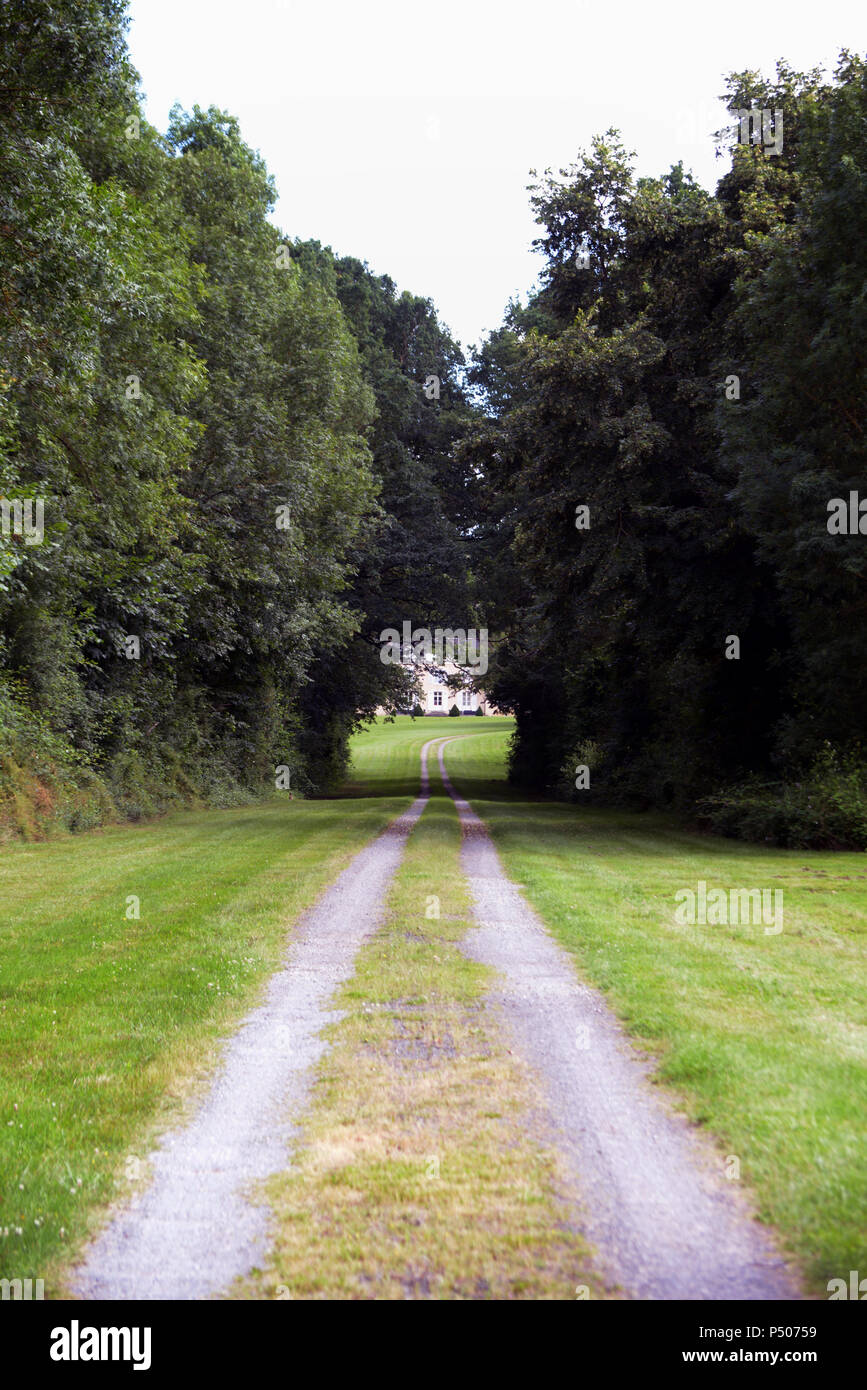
(403, 133)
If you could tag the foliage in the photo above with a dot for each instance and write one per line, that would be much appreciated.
(227, 433)
(691, 374)
(827, 809)
(255, 455)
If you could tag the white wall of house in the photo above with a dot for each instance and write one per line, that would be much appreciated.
(437, 698)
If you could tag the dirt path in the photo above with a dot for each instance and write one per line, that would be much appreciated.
(654, 1201)
(195, 1228)
(665, 1222)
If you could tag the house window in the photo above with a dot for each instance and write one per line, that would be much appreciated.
(467, 699)
(437, 697)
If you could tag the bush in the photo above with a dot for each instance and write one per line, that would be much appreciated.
(586, 753)
(44, 783)
(417, 712)
(479, 711)
(454, 712)
(826, 810)
(47, 785)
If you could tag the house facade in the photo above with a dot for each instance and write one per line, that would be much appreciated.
(437, 698)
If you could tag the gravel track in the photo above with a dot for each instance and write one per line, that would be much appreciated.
(195, 1228)
(654, 1200)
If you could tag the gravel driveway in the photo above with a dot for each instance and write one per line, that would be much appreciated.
(653, 1198)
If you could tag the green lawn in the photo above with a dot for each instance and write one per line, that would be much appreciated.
(763, 1036)
(106, 1020)
(385, 756)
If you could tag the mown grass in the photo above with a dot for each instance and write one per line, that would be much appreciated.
(107, 1022)
(416, 1175)
(385, 756)
(107, 1019)
(763, 1036)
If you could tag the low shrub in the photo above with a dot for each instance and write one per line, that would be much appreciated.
(826, 809)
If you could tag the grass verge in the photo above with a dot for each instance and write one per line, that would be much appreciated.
(106, 1018)
(764, 1036)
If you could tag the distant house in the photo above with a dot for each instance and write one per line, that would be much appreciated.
(437, 698)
